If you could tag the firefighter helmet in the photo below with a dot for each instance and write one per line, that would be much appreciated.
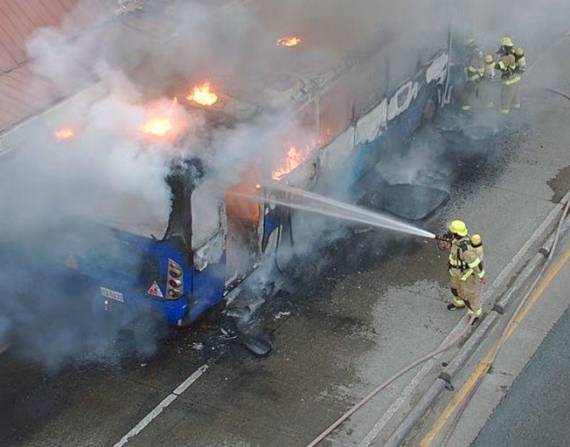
(489, 58)
(459, 228)
(507, 41)
(519, 52)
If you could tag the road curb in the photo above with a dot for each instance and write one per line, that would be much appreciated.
(513, 278)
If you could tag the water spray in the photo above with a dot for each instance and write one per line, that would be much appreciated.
(315, 203)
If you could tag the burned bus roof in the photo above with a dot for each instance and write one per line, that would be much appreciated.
(267, 74)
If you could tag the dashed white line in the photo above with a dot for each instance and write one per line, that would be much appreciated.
(161, 406)
(190, 380)
(406, 393)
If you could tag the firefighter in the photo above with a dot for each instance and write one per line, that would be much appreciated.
(510, 78)
(466, 269)
(488, 90)
(474, 69)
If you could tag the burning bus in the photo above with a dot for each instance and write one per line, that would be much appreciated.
(208, 247)
(346, 107)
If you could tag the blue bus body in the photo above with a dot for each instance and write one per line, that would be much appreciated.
(143, 281)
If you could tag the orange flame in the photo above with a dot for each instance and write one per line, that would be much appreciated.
(202, 95)
(65, 133)
(289, 41)
(292, 160)
(163, 121)
(157, 127)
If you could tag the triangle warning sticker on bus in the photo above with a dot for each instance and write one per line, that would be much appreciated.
(154, 290)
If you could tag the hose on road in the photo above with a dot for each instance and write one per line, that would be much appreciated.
(446, 346)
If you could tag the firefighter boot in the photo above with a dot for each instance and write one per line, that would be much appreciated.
(456, 302)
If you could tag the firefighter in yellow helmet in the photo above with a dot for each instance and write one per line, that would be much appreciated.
(511, 63)
(466, 269)
(474, 67)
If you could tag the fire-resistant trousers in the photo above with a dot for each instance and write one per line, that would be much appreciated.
(510, 97)
(468, 292)
(489, 93)
(469, 94)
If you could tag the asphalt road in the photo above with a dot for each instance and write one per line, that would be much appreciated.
(536, 410)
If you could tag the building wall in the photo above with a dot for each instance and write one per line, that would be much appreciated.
(19, 19)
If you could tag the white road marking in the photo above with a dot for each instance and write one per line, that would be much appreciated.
(406, 393)
(161, 406)
(190, 380)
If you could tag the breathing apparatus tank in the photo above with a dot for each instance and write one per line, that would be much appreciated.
(477, 244)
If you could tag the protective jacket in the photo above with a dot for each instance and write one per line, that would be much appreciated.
(508, 67)
(474, 65)
(520, 60)
(489, 71)
(464, 260)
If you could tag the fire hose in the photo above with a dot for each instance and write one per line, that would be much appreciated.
(445, 347)
(504, 334)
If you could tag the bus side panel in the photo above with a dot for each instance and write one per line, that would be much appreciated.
(366, 156)
(208, 288)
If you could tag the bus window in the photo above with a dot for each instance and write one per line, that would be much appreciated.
(335, 111)
(308, 118)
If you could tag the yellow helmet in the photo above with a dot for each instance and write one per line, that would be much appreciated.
(459, 228)
(519, 52)
(476, 240)
(489, 58)
(471, 42)
(507, 41)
